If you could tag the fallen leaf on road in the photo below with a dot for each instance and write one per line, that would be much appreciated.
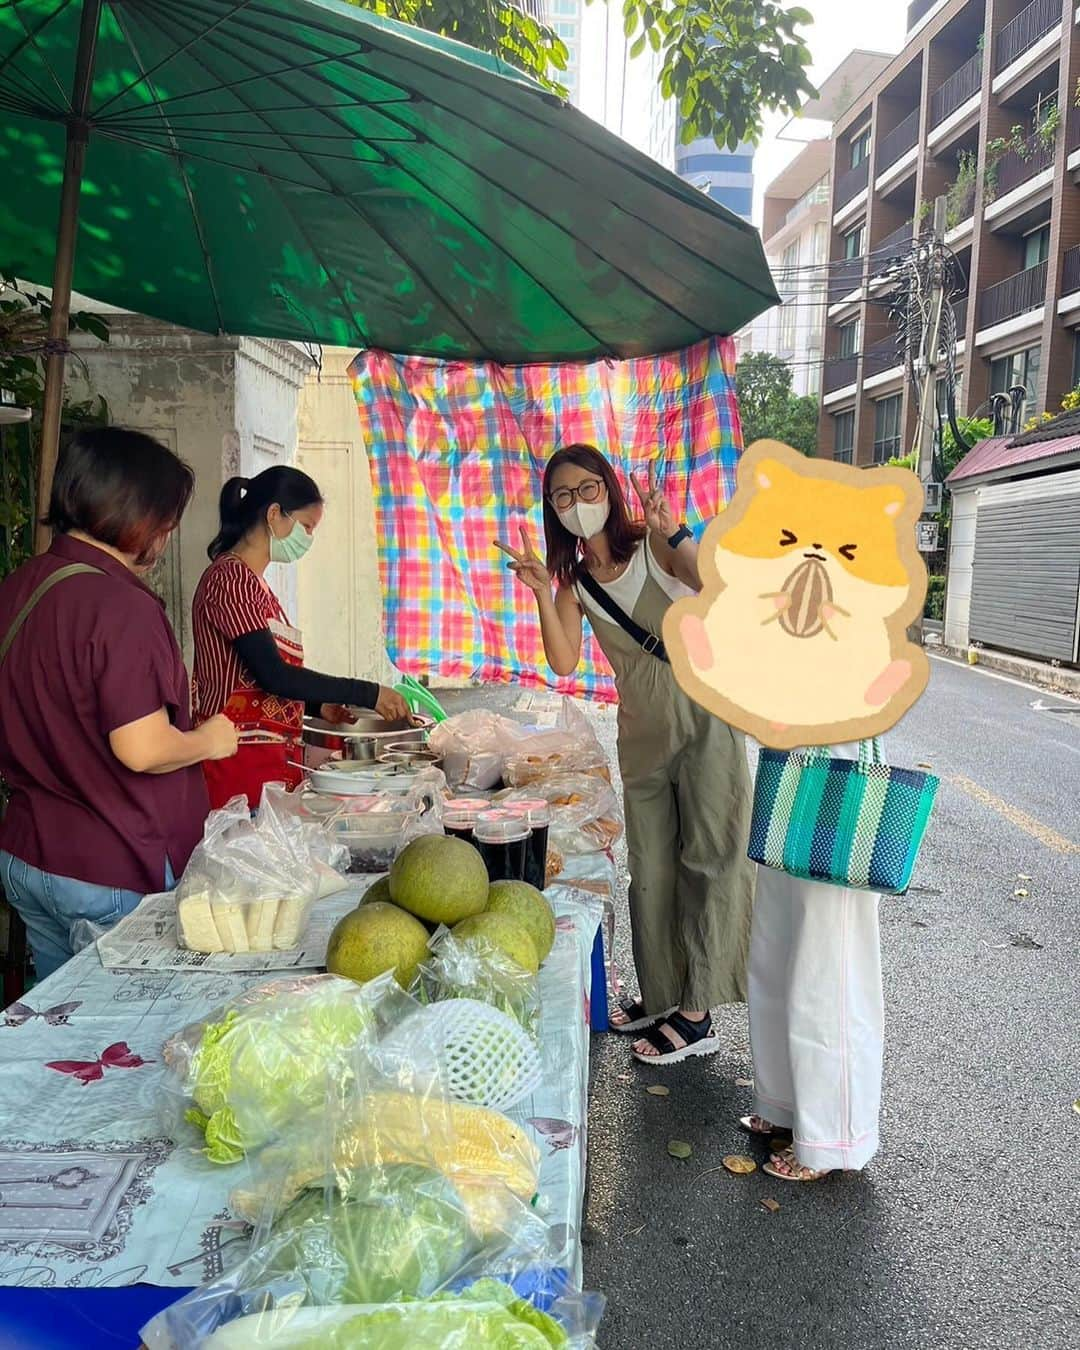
(1076, 1106)
(739, 1165)
(1025, 942)
(1022, 876)
(918, 923)
(924, 766)
(1020, 893)
(773, 1206)
(678, 1149)
(657, 1090)
(744, 1082)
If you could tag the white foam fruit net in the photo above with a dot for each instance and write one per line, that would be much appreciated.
(486, 1058)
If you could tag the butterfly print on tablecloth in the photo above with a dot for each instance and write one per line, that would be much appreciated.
(57, 1016)
(115, 1056)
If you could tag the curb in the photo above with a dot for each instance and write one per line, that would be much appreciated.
(1058, 679)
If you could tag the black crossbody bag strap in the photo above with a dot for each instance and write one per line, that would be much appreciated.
(648, 642)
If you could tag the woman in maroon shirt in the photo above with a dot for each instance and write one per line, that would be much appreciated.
(106, 796)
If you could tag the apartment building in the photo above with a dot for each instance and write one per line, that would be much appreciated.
(979, 106)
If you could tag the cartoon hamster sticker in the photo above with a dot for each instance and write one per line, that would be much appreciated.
(810, 579)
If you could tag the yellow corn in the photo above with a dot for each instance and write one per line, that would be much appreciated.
(471, 1145)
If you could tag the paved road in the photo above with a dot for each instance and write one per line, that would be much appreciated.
(965, 1230)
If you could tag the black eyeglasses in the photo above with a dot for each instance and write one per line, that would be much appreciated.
(591, 490)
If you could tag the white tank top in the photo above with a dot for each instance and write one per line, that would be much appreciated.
(626, 590)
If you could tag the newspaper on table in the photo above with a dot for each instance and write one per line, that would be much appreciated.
(146, 939)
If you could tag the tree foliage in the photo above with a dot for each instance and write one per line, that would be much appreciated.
(723, 61)
(768, 408)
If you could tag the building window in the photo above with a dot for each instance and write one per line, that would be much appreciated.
(1037, 246)
(853, 242)
(886, 429)
(860, 148)
(1076, 360)
(844, 436)
(821, 241)
(849, 339)
(787, 326)
(790, 259)
(1019, 368)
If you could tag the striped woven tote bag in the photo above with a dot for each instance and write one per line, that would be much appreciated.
(852, 822)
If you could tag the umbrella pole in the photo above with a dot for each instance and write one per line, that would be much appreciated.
(78, 135)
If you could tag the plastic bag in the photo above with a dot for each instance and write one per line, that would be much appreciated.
(586, 816)
(245, 1074)
(460, 970)
(249, 883)
(374, 829)
(392, 1217)
(570, 746)
(474, 746)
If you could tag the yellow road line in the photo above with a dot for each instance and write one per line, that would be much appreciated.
(1043, 833)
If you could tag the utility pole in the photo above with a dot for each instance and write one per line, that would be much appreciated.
(931, 341)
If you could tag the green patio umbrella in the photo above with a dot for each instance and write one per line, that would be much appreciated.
(304, 169)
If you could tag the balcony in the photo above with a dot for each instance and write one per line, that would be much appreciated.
(883, 355)
(1019, 294)
(1022, 162)
(847, 275)
(1072, 129)
(850, 184)
(918, 9)
(895, 145)
(1070, 271)
(818, 195)
(962, 84)
(839, 372)
(893, 246)
(1026, 29)
(960, 310)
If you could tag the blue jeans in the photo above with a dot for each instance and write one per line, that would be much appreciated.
(51, 905)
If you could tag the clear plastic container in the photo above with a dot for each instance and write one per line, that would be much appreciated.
(502, 839)
(536, 813)
(460, 815)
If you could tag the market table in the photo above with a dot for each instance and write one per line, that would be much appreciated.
(109, 1207)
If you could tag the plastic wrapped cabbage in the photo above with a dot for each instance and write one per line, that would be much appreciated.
(250, 1072)
(400, 1232)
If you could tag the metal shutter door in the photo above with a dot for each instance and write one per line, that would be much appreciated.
(1026, 578)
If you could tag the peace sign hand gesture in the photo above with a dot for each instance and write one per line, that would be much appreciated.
(527, 564)
(659, 516)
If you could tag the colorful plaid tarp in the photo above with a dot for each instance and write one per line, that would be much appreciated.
(457, 453)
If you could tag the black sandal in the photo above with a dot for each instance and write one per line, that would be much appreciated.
(698, 1036)
(639, 1019)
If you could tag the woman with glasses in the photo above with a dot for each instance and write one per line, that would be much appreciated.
(685, 780)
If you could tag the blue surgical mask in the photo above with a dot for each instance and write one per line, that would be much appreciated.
(292, 546)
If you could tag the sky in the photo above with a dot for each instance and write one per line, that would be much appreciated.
(839, 26)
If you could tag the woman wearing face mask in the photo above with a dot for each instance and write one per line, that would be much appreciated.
(685, 779)
(106, 799)
(249, 660)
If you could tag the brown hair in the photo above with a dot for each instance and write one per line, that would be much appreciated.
(120, 487)
(564, 550)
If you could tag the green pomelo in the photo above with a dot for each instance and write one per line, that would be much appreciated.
(440, 879)
(525, 903)
(374, 938)
(507, 935)
(378, 893)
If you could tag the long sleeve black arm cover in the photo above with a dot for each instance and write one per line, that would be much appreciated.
(259, 653)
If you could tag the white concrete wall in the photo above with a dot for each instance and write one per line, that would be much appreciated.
(340, 595)
(225, 405)
(961, 566)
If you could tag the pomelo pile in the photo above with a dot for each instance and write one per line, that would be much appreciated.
(438, 880)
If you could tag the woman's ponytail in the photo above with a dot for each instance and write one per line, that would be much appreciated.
(244, 503)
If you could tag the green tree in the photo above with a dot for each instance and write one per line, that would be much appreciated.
(768, 408)
(724, 61)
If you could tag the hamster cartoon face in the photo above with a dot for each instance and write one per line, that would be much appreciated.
(810, 580)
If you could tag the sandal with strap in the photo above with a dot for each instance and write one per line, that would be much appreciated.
(698, 1037)
(760, 1126)
(793, 1169)
(638, 1018)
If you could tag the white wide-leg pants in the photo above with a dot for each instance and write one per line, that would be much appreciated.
(816, 1017)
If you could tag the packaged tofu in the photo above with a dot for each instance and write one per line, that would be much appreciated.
(251, 881)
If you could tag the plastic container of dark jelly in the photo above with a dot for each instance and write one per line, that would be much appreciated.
(503, 841)
(459, 817)
(537, 815)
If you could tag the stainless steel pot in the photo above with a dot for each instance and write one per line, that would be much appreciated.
(364, 739)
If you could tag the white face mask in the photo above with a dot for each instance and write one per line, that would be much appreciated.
(585, 519)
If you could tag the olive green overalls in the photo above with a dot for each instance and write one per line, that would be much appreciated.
(686, 789)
